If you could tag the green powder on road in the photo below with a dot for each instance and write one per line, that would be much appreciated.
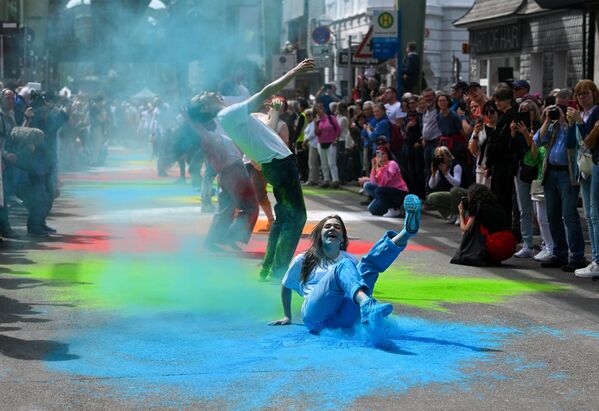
(173, 283)
(433, 292)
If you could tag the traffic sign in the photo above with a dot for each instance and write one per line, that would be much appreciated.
(281, 64)
(8, 27)
(343, 59)
(384, 48)
(384, 22)
(364, 49)
(321, 35)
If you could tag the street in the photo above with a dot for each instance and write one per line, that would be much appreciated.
(123, 309)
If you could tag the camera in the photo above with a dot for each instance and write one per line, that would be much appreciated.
(553, 114)
(438, 161)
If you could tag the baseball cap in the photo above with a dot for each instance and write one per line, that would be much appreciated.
(521, 84)
(460, 85)
(472, 85)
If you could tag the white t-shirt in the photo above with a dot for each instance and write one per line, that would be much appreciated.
(293, 274)
(394, 111)
(253, 137)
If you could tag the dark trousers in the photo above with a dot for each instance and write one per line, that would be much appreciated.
(236, 193)
(290, 216)
(342, 163)
(384, 198)
(412, 168)
(51, 186)
(502, 184)
(302, 161)
(429, 153)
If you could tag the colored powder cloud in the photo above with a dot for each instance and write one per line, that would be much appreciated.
(233, 358)
(432, 292)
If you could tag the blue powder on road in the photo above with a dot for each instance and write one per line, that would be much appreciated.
(250, 365)
(586, 333)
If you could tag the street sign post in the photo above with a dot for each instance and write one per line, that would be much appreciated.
(321, 48)
(384, 34)
(364, 50)
(281, 64)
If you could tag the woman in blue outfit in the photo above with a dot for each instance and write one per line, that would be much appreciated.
(337, 290)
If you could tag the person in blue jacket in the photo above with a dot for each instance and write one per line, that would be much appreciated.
(337, 290)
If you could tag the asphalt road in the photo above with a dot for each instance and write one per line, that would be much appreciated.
(124, 309)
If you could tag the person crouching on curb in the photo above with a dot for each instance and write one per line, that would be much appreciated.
(385, 185)
(337, 292)
(487, 238)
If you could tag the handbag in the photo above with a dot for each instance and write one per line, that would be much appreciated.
(536, 188)
(472, 249)
(528, 173)
(585, 157)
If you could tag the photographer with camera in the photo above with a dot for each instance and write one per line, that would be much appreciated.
(327, 95)
(528, 120)
(487, 237)
(484, 128)
(445, 184)
(386, 185)
(561, 187)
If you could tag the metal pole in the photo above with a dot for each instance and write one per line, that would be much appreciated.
(399, 61)
(350, 82)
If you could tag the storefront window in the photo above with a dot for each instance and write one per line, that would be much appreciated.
(499, 69)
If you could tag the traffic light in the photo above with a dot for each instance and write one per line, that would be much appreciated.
(465, 48)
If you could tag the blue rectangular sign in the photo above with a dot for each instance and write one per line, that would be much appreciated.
(384, 48)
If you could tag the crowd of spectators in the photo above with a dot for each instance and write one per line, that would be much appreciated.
(533, 155)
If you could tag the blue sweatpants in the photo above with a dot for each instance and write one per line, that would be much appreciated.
(330, 304)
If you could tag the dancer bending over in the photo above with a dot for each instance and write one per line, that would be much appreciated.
(337, 292)
(262, 145)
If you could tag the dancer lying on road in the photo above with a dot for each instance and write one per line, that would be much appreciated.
(337, 292)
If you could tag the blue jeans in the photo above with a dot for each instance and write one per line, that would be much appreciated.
(594, 213)
(331, 304)
(585, 190)
(290, 216)
(384, 198)
(561, 199)
(525, 206)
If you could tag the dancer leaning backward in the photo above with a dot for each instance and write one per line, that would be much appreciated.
(262, 145)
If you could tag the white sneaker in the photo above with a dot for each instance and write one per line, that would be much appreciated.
(525, 252)
(590, 271)
(452, 219)
(543, 256)
(392, 212)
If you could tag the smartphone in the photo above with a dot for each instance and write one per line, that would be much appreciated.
(573, 104)
(523, 117)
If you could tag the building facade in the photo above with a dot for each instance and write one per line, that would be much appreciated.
(350, 20)
(519, 39)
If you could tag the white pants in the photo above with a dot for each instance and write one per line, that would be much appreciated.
(328, 162)
(541, 212)
(313, 164)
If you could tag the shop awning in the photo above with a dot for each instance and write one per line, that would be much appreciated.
(563, 4)
(483, 10)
